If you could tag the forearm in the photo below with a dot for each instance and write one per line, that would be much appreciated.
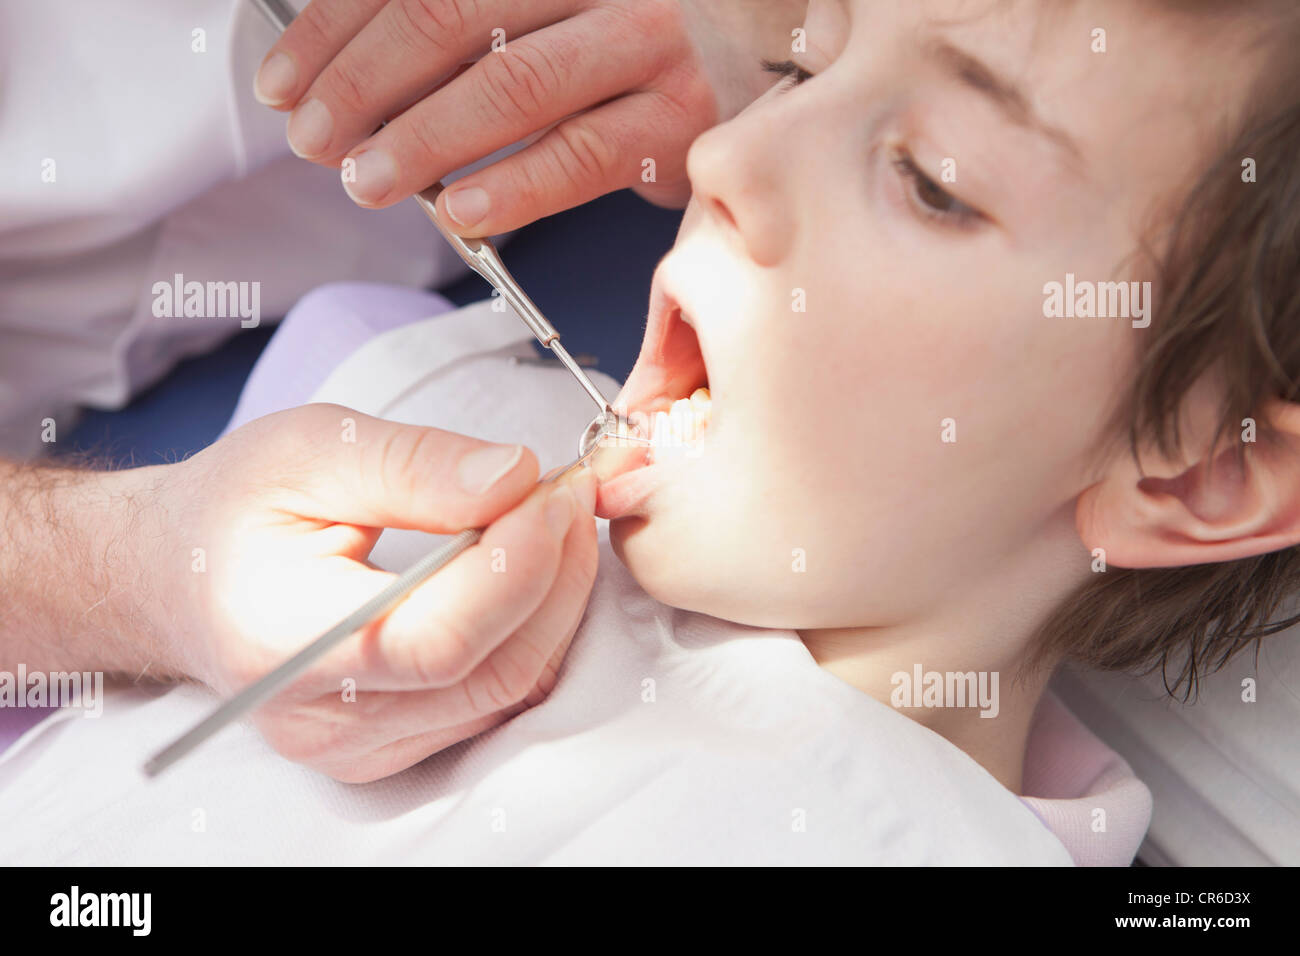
(78, 556)
(735, 36)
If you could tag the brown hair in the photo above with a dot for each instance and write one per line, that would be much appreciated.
(1228, 303)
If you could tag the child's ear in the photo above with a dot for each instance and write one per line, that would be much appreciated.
(1182, 513)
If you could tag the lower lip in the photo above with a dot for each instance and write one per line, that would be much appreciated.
(621, 496)
(624, 495)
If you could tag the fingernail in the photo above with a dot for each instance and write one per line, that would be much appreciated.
(466, 207)
(275, 80)
(584, 489)
(310, 128)
(559, 511)
(484, 467)
(374, 175)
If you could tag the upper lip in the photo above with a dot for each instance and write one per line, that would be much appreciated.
(669, 365)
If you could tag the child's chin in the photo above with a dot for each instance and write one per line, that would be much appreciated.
(654, 561)
(659, 561)
(626, 537)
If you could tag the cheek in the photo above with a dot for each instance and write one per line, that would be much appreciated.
(895, 434)
(740, 560)
(720, 538)
(878, 507)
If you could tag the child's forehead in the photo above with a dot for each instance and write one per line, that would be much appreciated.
(1132, 34)
(1083, 74)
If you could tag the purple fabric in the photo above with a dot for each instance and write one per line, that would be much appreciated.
(14, 723)
(324, 328)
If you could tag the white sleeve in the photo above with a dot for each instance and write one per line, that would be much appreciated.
(134, 152)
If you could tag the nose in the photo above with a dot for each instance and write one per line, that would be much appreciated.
(740, 181)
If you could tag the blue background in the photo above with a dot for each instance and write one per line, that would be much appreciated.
(589, 270)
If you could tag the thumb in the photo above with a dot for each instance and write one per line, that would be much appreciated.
(339, 465)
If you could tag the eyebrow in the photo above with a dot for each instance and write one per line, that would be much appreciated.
(1009, 98)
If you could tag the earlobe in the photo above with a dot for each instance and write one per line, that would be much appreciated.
(1222, 507)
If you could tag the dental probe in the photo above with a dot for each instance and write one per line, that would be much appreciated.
(479, 254)
(263, 689)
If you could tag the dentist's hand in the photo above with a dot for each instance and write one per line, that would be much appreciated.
(624, 84)
(267, 533)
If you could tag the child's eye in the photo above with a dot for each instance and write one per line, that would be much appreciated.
(787, 70)
(930, 199)
(926, 196)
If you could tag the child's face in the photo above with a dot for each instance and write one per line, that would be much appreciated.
(850, 299)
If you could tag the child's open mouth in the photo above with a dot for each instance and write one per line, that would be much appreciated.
(666, 400)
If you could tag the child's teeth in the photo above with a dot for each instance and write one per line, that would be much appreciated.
(682, 424)
(701, 409)
(681, 416)
(662, 432)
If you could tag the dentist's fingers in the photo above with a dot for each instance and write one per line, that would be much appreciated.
(337, 745)
(313, 39)
(583, 158)
(521, 671)
(404, 711)
(633, 65)
(524, 668)
(451, 623)
(533, 82)
(516, 676)
(400, 754)
(341, 466)
(407, 49)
